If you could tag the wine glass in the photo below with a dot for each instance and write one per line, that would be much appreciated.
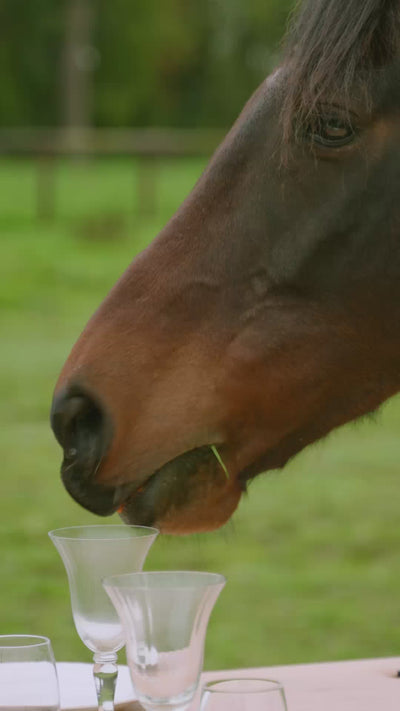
(165, 617)
(28, 676)
(243, 694)
(89, 553)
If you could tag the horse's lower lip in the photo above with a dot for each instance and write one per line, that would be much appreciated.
(167, 486)
(125, 500)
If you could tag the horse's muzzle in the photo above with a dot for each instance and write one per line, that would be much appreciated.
(84, 431)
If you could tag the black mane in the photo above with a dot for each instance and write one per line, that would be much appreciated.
(332, 47)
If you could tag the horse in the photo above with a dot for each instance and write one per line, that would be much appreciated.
(266, 313)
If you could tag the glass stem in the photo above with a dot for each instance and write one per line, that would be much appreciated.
(105, 672)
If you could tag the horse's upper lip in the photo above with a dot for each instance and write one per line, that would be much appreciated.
(96, 496)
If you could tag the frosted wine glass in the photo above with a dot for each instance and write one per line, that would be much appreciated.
(89, 553)
(165, 617)
(243, 694)
(28, 676)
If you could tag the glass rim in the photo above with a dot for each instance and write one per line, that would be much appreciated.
(212, 686)
(34, 640)
(62, 533)
(118, 581)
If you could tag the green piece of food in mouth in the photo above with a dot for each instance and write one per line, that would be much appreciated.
(218, 457)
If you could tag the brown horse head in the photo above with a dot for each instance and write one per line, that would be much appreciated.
(267, 311)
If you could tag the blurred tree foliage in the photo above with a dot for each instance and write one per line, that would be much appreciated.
(151, 62)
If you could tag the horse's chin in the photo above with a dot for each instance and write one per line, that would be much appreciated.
(191, 493)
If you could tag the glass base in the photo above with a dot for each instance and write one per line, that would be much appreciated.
(180, 702)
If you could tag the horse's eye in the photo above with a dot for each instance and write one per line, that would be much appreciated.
(331, 131)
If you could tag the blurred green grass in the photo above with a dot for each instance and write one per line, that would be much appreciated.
(311, 556)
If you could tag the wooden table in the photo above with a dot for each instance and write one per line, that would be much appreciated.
(365, 685)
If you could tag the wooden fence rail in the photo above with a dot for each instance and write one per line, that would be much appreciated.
(150, 145)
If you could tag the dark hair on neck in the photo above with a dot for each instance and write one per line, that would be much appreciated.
(332, 46)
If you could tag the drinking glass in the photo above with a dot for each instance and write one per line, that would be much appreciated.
(89, 553)
(165, 617)
(28, 676)
(243, 694)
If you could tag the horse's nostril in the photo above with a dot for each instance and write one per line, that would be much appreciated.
(80, 426)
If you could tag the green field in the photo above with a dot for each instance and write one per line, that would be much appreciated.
(312, 555)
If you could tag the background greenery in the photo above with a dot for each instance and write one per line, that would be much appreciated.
(312, 555)
(158, 62)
